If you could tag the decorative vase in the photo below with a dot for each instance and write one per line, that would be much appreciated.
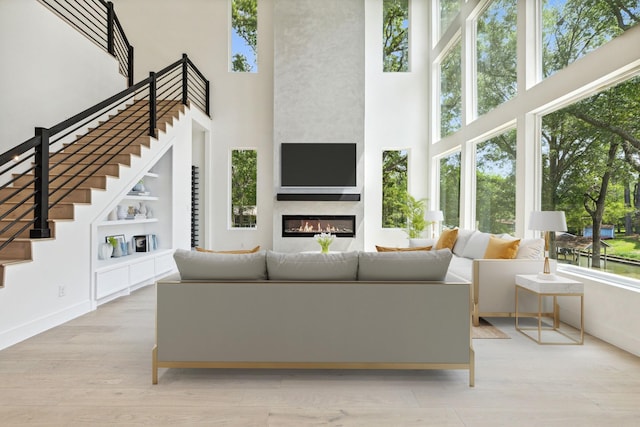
(113, 215)
(142, 209)
(138, 187)
(117, 251)
(149, 213)
(124, 249)
(122, 212)
(105, 250)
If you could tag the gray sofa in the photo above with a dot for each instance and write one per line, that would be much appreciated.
(322, 311)
(493, 279)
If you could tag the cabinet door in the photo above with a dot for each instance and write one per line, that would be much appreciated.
(141, 271)
(110, 281)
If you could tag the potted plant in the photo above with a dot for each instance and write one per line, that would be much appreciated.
(414, 210)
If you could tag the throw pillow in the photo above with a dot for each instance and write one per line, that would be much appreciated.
(476, 246)
(447, 239)
(236, 251)
(312, 266)
(531, 249)
(462, 240)
(399, 266)
(501, 248)
(194, 265)
(390, 249)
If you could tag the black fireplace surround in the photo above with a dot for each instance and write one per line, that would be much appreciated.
(310, 225)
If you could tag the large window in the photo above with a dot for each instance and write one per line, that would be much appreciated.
(450, 91)
(591, 170)
(244, 186)
(244, 36)
(450, 189)
(496, 184)
(572, 28)
(496, 54)
(395, 35)
(394, 188)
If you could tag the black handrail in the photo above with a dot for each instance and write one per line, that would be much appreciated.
(97, 20)
(27, 166)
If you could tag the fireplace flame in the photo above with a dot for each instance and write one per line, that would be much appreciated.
(316, 228)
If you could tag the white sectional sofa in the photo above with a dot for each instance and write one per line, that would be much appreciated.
(493, 279)
(352, 310)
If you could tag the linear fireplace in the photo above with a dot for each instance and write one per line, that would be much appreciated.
(308, 225)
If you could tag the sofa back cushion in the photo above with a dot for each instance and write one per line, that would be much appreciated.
(312, 266)
(417, 265)
(194, 265)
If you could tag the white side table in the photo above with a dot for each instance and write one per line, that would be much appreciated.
(559, 287)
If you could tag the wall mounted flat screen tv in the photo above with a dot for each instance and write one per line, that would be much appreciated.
(318, 165)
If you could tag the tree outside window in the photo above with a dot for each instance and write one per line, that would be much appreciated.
(496, 54)
(395, 35)
(450, 91)
(448, 10)
(244, 36)
(394, 188)
(244, 184)
(496, 184)
(591, 149)
(573, 28)
(450, 189)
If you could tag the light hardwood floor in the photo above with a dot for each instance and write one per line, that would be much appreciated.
(96, 370)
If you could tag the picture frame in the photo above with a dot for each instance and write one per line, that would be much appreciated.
(141, 243)
(119, 238)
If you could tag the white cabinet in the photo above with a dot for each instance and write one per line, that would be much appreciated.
(151, 228)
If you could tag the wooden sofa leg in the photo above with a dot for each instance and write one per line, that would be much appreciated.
(154, 365)
(476, 315)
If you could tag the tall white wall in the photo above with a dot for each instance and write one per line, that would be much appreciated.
(49, 71)
(241, 103)
(396, 118)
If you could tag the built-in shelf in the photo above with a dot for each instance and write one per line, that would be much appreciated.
(127, 221)
(319, 197)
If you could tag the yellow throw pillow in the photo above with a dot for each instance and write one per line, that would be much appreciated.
(237, 251)
(388, 249)
(501, 248)
(447, 239)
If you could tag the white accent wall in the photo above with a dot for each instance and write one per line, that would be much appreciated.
(42, 80)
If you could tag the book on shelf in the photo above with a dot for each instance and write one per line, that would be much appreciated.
(139, 193)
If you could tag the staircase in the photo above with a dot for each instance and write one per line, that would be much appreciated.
(75, 172)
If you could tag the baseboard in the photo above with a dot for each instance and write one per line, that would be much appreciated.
(30, 329)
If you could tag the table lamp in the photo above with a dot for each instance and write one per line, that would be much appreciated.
(547, 221)
(432, 217)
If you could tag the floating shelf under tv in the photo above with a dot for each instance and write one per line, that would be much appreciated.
(319, 197)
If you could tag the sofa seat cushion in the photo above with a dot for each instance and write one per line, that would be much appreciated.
(312, 266)
(414, 265)
(194, 265)
(462, 267)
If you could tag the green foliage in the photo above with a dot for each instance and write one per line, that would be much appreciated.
(496, 184)
(450, 91)
(395, 34)
(394, 188)
(496, 54)
(450, 189)
(448, 10)
(590, 148)
(414, 210)
(244, 20)
(244, 185)
(112, 241)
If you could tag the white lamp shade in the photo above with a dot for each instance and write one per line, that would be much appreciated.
(547, 221)
(433, 216)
